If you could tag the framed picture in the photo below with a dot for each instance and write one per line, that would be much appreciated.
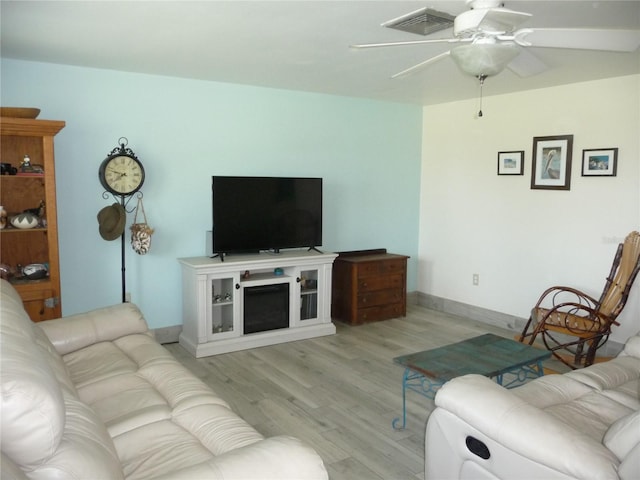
(601, 162)
(551, 166)
(511, 163)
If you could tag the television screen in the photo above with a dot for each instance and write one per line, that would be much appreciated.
(251, 214)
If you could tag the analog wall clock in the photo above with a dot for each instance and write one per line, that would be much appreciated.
(121, 173)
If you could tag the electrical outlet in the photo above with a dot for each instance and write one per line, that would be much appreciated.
(127, 297)
(476, 279)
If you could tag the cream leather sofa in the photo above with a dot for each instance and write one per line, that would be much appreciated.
(584, 424)
(93, 396)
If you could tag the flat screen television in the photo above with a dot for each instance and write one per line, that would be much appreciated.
(252, 214)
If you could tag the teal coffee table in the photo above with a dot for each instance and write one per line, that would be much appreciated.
(488, 355)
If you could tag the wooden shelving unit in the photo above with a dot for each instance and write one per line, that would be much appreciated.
(18, 247)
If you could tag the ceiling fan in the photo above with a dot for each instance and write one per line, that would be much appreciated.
(488, 40)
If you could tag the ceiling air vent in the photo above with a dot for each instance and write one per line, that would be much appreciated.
(423, 22)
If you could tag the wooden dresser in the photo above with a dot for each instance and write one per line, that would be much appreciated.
(369, 285)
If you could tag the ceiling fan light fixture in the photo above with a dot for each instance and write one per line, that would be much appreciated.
(484, 59)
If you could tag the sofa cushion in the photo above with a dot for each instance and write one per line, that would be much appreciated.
(623, 435)
(33, 414)
(618, 380)
(197, 435)
(85, 450)
(46, 430)
(630, 466)
(632, 346)
(134, 379)
(54, 360)
(274, 458)
(140, 391)
(74, 332)
(608, 375)
(551, 390)
(575, 401)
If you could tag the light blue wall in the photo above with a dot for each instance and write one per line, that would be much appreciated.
(184, 131)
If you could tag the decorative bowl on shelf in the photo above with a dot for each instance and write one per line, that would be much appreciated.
(19, 112)
(25, 220)
(35, 271)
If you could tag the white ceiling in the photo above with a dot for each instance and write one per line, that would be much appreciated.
(298, 45)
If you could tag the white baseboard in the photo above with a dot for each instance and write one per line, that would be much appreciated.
(491, 317)
(412, 298)
(484, 315)
(167, 334)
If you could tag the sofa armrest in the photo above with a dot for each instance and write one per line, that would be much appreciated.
(519, 432)
(274, 458)
(68, 334)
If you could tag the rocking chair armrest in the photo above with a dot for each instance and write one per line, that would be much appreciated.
(573, 308)
(554, 291)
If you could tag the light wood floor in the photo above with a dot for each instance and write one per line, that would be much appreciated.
(340, 393)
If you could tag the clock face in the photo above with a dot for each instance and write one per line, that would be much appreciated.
(121, 174)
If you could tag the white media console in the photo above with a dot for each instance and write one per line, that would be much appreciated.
(278, 297)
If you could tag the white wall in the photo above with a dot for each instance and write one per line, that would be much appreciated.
(521, 241)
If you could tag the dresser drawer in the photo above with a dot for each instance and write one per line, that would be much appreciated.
(372, 284)
(383, 267)
(381, 312)
(381, 297)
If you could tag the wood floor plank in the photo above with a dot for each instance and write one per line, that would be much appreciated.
(286, 418)
(351, 469)
(340, 393)
(393, 460)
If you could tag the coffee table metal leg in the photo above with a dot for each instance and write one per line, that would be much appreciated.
(522, 374)
(418, 383)
(395, 421)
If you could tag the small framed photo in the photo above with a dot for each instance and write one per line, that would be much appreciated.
(551, 168)
(511, 163)
(601, 162)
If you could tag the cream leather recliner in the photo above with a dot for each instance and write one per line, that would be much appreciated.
(584, 424)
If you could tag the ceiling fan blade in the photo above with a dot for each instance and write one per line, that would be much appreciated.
(582, 38)
(412, 42)
(422, 64)
(503, 19)
(526, 64)
(494, 20)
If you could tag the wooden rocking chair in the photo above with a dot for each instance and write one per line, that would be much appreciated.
(575, 319)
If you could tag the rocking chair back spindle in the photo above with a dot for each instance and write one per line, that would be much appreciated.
(623, 273)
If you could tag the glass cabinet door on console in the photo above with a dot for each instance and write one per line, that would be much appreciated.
(222, 293)
(310, 282)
